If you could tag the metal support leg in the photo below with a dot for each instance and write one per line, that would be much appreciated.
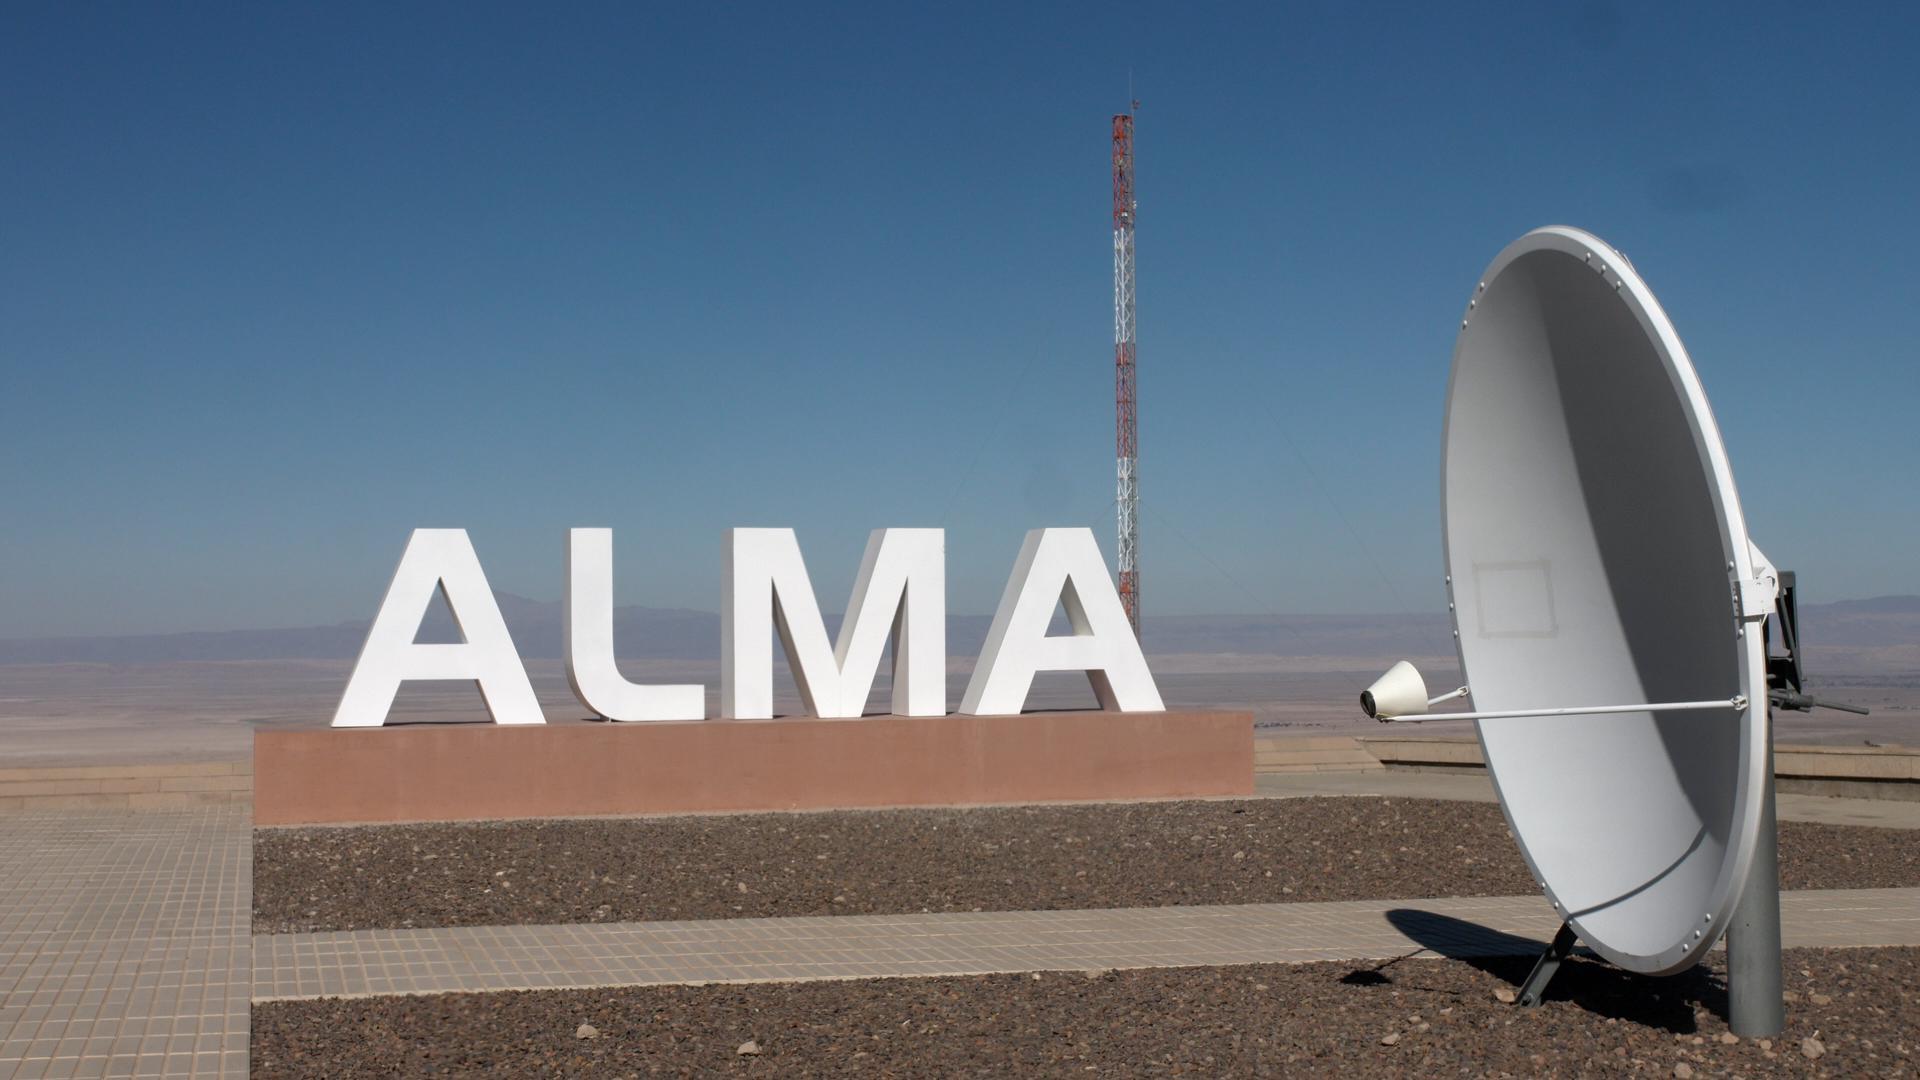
(1755, 1006)
(1535, 987)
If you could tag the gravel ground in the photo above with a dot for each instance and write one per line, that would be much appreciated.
(1850, 1014)
(901, 861)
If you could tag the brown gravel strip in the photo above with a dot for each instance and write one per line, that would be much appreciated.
(904, 861)
(1850, 1015)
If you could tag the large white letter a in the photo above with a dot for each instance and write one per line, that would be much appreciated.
(438, 559)
(1060, 566)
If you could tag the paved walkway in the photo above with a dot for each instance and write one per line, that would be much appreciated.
(125, 945)
(372, 962)
(124, 942)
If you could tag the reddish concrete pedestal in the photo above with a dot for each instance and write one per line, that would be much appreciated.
(440, 772)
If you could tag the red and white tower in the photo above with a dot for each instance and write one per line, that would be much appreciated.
(1126, 433)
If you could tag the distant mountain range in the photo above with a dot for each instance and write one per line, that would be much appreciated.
(1886, 627)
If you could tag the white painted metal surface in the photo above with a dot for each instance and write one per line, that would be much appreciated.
(1596, 552)
(1063, 568)
(440, 559)
(1402, 691)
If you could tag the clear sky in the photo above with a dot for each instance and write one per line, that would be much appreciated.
(279, 283)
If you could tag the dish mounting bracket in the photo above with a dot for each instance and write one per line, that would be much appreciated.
(1543, 971)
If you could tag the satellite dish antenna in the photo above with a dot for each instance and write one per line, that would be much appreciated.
(1611, 618)
(1597, 558)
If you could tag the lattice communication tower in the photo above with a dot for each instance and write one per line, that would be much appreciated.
(1126, 431)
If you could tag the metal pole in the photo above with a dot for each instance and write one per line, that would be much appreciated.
(1756, 1008)
(1735, 704)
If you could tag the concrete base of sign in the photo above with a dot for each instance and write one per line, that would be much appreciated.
(469, 772)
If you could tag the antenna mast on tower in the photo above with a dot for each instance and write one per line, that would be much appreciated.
(1126, 434)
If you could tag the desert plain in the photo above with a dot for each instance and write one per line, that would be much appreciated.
(96, 713)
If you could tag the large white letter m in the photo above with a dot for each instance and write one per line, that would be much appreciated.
(900, 596)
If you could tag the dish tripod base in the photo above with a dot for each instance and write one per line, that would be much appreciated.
(1755, 1007)
(1543, 969)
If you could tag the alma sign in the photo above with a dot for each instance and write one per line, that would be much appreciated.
(899, 599)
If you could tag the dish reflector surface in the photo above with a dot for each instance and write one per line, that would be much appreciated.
(1595, 550)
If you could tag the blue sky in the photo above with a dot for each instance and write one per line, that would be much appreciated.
(278, 284)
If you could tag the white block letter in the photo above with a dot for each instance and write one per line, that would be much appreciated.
(1060, 566)
(588, 620)
(901, 595)
(438, 559)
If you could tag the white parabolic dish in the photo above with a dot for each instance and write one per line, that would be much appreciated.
(1596, 550)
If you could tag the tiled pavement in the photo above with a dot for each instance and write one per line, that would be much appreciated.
(125, 946)
(844, 947)
(124, 942)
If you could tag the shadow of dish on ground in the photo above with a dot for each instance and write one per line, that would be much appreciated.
(1668, 1002)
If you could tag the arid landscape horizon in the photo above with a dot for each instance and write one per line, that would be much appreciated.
(180, 697)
